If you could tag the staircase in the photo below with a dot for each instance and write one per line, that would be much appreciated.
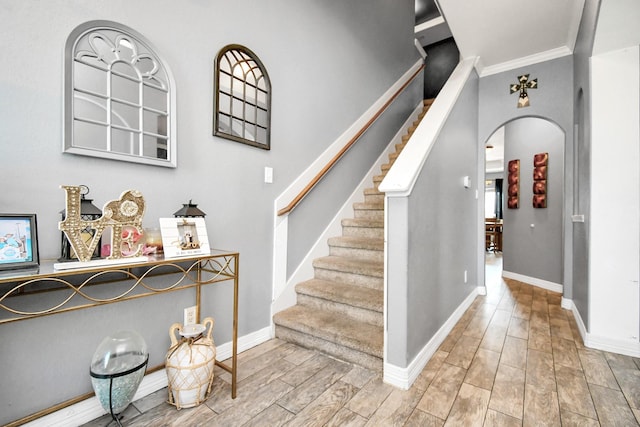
(340, 311)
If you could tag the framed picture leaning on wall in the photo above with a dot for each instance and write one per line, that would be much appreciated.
(18, 242)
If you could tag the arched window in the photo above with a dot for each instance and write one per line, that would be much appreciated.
(119, 96)
(243, 97)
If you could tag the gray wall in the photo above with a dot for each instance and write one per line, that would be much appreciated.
(438, 220)
(553, 100)
(534, 252)
(332, 58)
(582, 153)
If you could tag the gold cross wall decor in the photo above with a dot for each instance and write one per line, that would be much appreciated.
(523, 84)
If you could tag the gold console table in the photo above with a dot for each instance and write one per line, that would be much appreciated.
(76, 284)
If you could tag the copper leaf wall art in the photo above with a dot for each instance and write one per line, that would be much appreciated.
(514, 184)
(540, 163)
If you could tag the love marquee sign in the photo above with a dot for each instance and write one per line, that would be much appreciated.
(123, 215)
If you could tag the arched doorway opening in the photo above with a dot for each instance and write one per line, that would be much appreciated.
(529, 244)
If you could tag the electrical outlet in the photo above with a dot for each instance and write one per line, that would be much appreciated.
(190, 315)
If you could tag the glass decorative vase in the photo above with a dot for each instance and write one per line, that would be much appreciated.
(117, 368)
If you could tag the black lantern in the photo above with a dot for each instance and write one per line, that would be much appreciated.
(88, 212)
(189, 210)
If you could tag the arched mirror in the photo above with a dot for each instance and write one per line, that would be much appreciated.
(243, 97)
(119, 97)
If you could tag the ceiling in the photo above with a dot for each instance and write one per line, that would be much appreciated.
(502, 34)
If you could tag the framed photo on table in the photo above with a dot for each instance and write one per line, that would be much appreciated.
(184, 237)
(18, 242)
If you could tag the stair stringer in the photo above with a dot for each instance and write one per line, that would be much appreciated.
(304, 271)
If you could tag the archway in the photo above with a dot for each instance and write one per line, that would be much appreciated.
(531, 247)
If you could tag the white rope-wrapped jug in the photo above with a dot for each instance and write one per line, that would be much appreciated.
(189, 364)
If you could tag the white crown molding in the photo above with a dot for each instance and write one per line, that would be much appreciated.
(523, 62)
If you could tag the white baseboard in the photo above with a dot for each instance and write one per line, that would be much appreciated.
(404, 377)
(576, 314)
(90, 409)
(245, 342)
(613, 345)
(544, 284)
(628, 347)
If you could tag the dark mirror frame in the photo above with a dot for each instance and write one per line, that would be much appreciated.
(252, 129)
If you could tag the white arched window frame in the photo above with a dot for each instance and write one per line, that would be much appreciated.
(119, 97)
(242, 110)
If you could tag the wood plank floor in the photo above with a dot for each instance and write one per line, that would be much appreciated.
(514, 359)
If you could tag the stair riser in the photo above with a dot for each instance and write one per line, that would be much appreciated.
(374, 198)
(335, 350)
(373, 232)
(370, 254)
(350, 278)
(356, 313)
(377, 214)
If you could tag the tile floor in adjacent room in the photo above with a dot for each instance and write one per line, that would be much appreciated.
(514, 359)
